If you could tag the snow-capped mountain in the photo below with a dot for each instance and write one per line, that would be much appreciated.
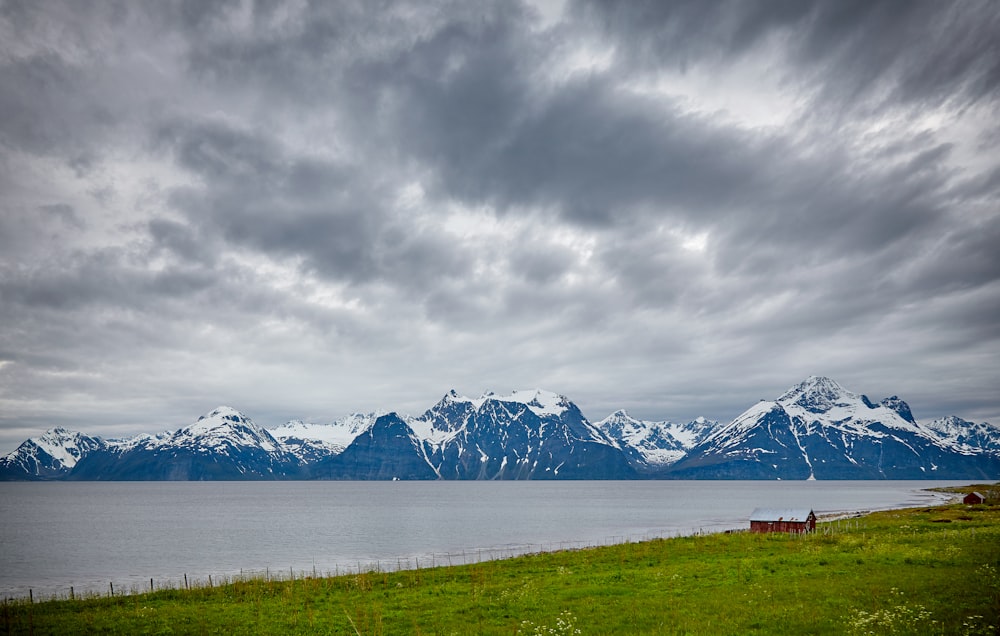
(531, 434)
(816, 429)
(969, 436)
(819, 430)
(311, 442)
(50, 456)
(652, 446)
(223, 444)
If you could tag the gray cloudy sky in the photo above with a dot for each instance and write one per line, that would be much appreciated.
(677, 208)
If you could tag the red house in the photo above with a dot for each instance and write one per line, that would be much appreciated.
(800, 520)
(974, 498)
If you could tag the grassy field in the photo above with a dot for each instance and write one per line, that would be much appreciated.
(918, 571)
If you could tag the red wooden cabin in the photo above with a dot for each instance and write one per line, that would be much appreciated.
(799, 520)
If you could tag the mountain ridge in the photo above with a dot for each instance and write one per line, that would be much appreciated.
(816, 429)
(819, 430)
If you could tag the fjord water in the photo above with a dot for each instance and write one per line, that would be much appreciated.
(55, 535)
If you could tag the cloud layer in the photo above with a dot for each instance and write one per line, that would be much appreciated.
(675, 208)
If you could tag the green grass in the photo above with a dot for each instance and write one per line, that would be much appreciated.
(919, 571)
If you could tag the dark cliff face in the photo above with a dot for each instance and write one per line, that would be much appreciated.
(388, 450)
(899, 407)
(508, 440)
(186, 464)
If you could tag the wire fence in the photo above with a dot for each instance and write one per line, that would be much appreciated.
(467, 556)
(829, 525)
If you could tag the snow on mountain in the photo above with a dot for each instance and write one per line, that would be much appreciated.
(64, 447)
(312, 441)
(145, 440)
(531, 434)
(897, 405)
(818, 429)
(960, 433)
(692, 433)
(441, 422)
(221, 445)
(822, 402)
(51, 455)
(820, 395)
(653, 444)
(819, 401)
(338, 433)
(225, 426)
(540, 402)
(386, 450)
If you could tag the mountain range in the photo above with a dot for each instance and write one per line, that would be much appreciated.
(815, 430)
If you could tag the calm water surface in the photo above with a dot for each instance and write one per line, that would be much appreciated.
(87, 535)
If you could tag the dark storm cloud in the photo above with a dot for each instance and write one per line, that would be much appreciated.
(329, 214)
(836, 207)
(971, 260)
(106, 280)
(471, 101)
(596, 156)
(254, 196)
(684, 205)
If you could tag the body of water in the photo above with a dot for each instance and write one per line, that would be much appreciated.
(55, 535)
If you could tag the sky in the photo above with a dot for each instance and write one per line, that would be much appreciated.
(305, 210)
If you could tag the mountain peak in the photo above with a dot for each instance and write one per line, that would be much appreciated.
(538, 400)
(227, 425)
(817, 394)
(813, 384)
(55, 451)
(224, 412)
(899, 406)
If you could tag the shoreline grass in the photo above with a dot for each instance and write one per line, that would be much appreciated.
(933, 570)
